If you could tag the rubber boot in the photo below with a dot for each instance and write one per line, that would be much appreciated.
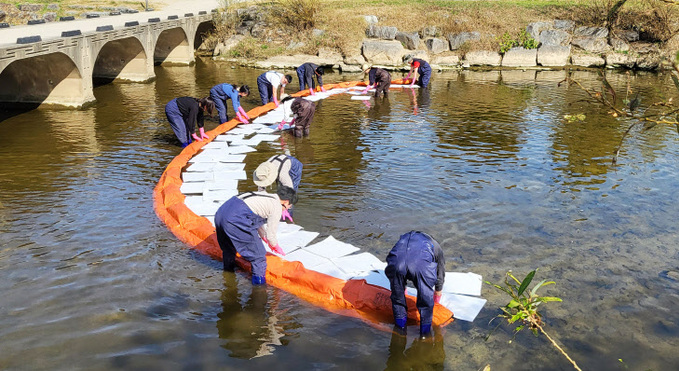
(258, 280)
(400, 322)
(425, 330)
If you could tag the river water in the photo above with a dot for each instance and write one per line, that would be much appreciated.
(484, 161)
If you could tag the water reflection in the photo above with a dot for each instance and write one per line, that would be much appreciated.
(248, 323)
(423, 354)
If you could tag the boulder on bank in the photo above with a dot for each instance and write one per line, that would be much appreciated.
(555, 37)
(457, 40)
(620, 60)
(436, 45)
(410, 40)
(483, 58)
(587, 60)
(381, 32)
(388, 53)
(228, 44)
(554, 55)
(535, 29)
(520, 57)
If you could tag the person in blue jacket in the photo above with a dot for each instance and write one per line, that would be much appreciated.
(416, 257)
(422, 71)
(306, 74)
(221, 92)
(185, 113)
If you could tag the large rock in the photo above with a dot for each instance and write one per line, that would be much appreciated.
(650, 61)
(457, 40)
(446, 60)
(620, 60)
(483, 58)
(30, 7)
(619, 45)
(429, 31)
(587, 60)
(388, 53)
(49, 16)
(520, 57)
(349, 67)
(328, 54)
(591, 44)
(598, 32)
(628, 35)
(554, 55)
(381, 32)
(534, 29)
(53, 6)
(294, 61)
(370, 18)
(410, 40)
(436, 45)
(555, 37)
(227, 45)
(354, 59)
(564, 25)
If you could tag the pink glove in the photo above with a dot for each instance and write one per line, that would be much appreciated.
(275, 101)
(265, 240)
(202, 134)
(322, 89)
(243, 113)
(437, 297)
(280, 126)
(311, 91)
(277, 249)
(408, 76)
(195, 137)
(241, 118)
(286, 215)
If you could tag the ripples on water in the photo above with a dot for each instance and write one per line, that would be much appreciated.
(484, 161)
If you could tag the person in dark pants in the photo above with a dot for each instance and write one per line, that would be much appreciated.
(416, 257)
(221, 92)
(306, 74)
(268, 84)
(283, 169)
(243, 219)
(422, 71)
(185, 113)
(377, 78)
(302, 112)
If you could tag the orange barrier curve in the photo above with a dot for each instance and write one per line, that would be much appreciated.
(355, 298)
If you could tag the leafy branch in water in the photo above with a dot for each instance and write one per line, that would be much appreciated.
(662, 112)
(522, 309)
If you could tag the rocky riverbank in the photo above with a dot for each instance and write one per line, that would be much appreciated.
(555, 43)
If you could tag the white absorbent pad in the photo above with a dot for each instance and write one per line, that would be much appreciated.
(331, 248)
(293, 241)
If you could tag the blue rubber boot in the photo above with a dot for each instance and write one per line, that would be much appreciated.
(258, 280)
(400, 322)
(425, 330)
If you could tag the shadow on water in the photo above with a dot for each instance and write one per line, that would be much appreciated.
(9, 110)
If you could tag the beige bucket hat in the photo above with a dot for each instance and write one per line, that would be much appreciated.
(265, 174)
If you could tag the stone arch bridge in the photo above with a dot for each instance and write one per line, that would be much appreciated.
(61, 70)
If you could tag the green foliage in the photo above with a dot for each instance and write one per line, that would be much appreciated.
(524, 303)
(523, 39)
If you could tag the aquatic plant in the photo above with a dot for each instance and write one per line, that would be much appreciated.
(522, 309)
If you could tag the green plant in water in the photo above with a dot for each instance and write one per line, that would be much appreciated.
(522, 309)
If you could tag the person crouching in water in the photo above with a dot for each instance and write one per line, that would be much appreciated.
(416, 257)
(285, 170)
(243, 219)
(378, 78)
(302, 112)
(185, 113)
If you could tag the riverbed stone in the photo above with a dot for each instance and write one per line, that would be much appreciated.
(520, 57)
(483, 58)
(383, 52)
(620, 60)
(354, 58)
(446, 60)
(628, 35)
(436, 45)
(565, 25)
(457, 40)
(381, 32)
(619, 45)
(227, 45)
(553, 55)
(555, 37)
(649, 61)
(597, 32)
(587, 60)
(351, 68)
(429, 31)
(534, 29)
(410, 40)
(591, 44)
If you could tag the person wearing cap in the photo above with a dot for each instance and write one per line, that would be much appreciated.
(243, 219)
(422, 71)
(185, 113)
(378, 78)
(419, 258)
(306, 74)
(268, 84)
(221, 92)
(285, 170)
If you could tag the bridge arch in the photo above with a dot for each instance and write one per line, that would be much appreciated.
(123, 59)
(45, 79)
(202, 30)
(172, 47)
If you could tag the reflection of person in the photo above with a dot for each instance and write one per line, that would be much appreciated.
(377, 78)
(421, 70)
(306, 74)
(423, 354)
(247, 324)
(221, 92)
(243, 219)
(268, 84)
(416, 257)
(302, 112)
(184, 113)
